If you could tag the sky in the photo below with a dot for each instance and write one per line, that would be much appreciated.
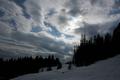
(42, 27)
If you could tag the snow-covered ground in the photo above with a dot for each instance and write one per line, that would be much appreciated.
(102, 70)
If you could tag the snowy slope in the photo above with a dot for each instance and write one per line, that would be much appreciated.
(103, 70)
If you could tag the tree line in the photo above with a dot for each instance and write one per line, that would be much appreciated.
(97, 48)
(15, 67)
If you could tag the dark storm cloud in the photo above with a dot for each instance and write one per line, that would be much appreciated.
(116, 9)
(88, 30)
(98, 2)
(51, 12)
(21, 4)
(2, 13)
(93, 29)
(74, 6)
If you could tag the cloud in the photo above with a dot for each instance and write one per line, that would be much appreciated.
(19, 32)
(1, 13)
(4, 29)
(92, 29)
(24, 44)
(13, 16)
(74, 7)
(52, 26)
(99, 16)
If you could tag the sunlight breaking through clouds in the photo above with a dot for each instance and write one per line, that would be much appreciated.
(74, 23)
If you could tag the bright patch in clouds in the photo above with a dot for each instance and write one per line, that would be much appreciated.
(74, 23)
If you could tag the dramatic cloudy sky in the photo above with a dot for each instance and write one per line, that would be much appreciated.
(42, 27)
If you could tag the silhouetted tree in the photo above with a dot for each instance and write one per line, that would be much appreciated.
(59, 64)
(97, 48)
(69, 65)
(11, 68)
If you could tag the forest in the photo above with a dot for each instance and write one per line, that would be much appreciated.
(15, 67)
(97, 48)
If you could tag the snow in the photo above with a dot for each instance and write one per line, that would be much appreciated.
(102, 70)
